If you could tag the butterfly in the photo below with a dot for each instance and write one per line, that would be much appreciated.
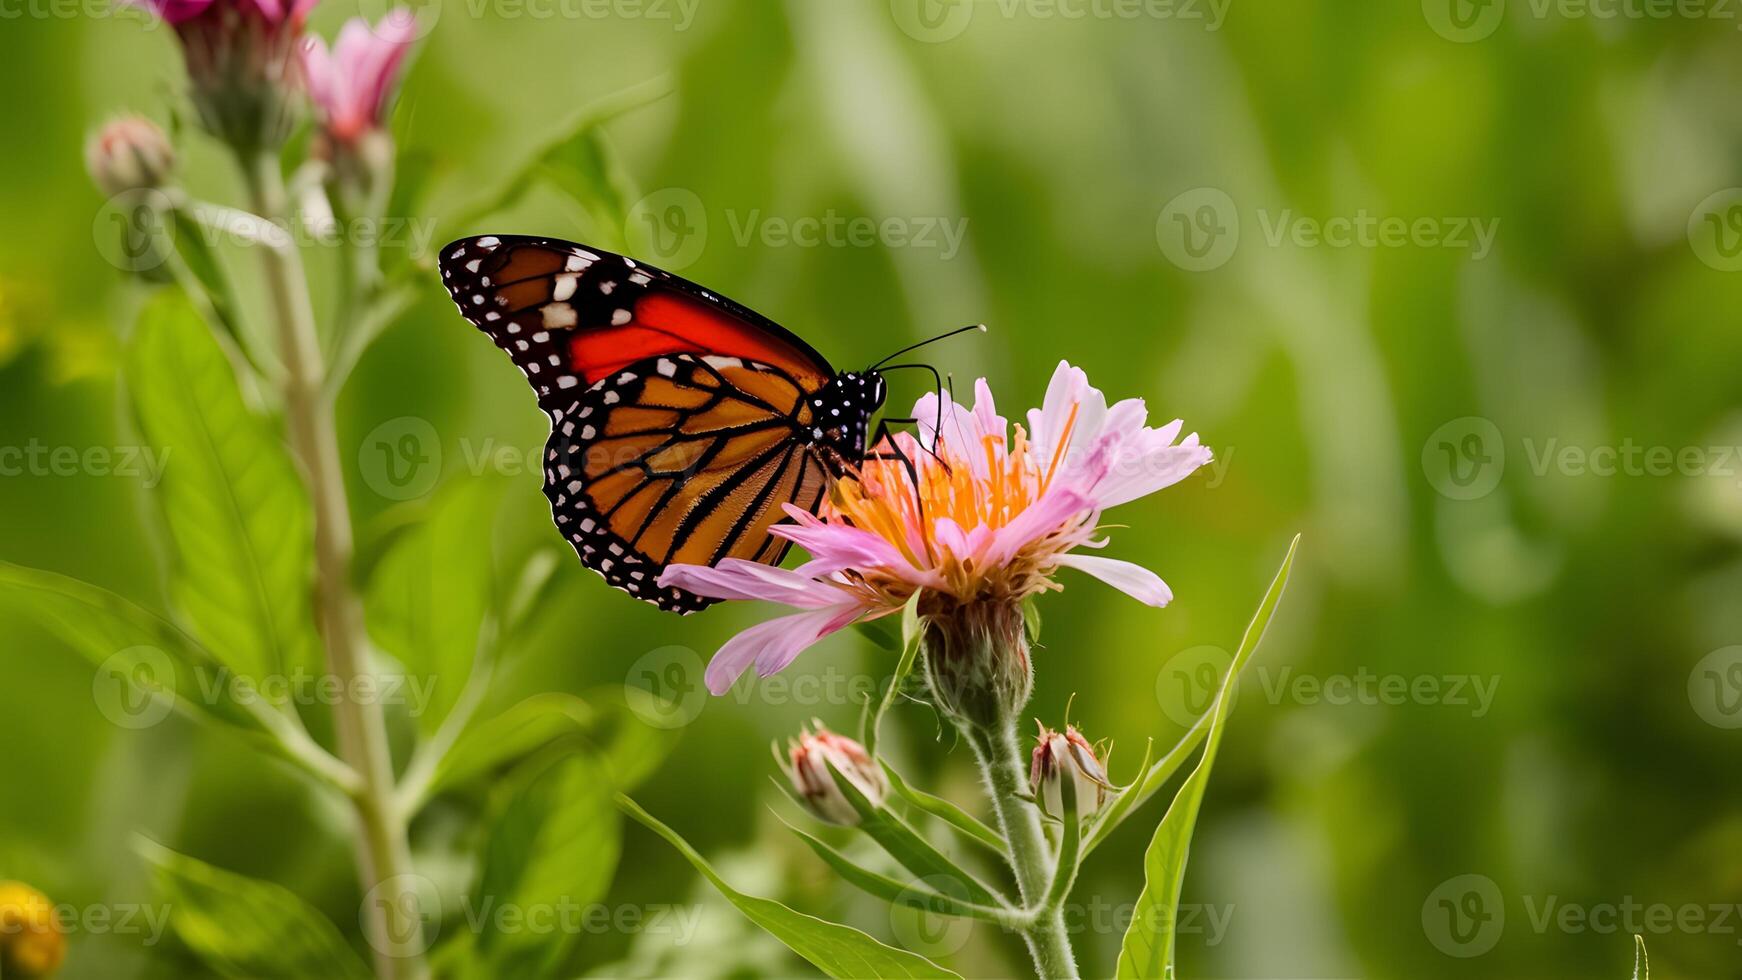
(682, 424)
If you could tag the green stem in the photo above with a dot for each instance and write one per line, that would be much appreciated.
(383, 846)
(1000, 760)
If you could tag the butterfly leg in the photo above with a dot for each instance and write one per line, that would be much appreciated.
(895, 454)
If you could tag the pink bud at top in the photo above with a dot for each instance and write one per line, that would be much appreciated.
(350, 85)
(1067, 754)
(129, 153)
(809, 758)
(274, 12)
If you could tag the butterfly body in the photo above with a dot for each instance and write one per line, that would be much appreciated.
(682, 424)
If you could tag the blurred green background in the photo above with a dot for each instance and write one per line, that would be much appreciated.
(1153, 197)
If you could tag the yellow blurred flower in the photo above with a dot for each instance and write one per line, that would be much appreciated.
(31, 942)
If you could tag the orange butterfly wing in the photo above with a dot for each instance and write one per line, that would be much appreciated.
(677, 415)
(569, 315)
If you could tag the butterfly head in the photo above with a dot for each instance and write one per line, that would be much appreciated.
(841, 411)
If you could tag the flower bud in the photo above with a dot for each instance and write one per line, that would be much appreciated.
(809, 758)
(1067, 755)
(31, 942)
(129, 153)
(976, 662)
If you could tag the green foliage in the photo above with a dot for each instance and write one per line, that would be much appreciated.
(627, 748)
(244, 927)
(129, 643)
(551, 840)
(1148, 949)
(430, 595)
(837, 950)
(908, 848)
(970, 827)
(234, 505)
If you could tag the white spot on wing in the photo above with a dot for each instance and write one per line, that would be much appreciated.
(558, 316)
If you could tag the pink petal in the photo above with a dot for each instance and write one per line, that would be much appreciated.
(317, 70)
(1055, 510)
(986, 413)
(834, 547)
(1145, 471)
(1069, 393)
(735, 578)
(772, 645)
(1132, 579)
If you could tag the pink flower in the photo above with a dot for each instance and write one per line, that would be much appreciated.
(273, 12)
(808, 761)
(1003, 510)
(1067, 755)
(350, 86)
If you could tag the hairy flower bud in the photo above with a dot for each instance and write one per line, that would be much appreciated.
(246, 80)
(809, 758)
(1067, 755)
(31, 942)
(129, 153)
(976, 662)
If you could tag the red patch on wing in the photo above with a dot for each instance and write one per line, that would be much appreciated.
(667, 322)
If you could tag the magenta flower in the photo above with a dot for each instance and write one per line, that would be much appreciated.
(273, 12)
(995, 514)
(350, 86)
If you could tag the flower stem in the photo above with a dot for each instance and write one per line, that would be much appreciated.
(383, 846)
(1000, 759)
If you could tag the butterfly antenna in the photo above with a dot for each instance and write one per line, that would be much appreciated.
(942, 336)
(937, 425)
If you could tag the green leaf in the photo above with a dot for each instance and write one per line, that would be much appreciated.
(912, 631)
(1070, 853)
(906, 846)
(235, 507)
(629, 748)
(429, 596)
(579, 161)
(1031, 618)
(948, 812)
(878, 632)
(128, 644)
(553, 841)
(1148, 948)
(244, 927)
(916, 895)
(208, 272)
(837, 950)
